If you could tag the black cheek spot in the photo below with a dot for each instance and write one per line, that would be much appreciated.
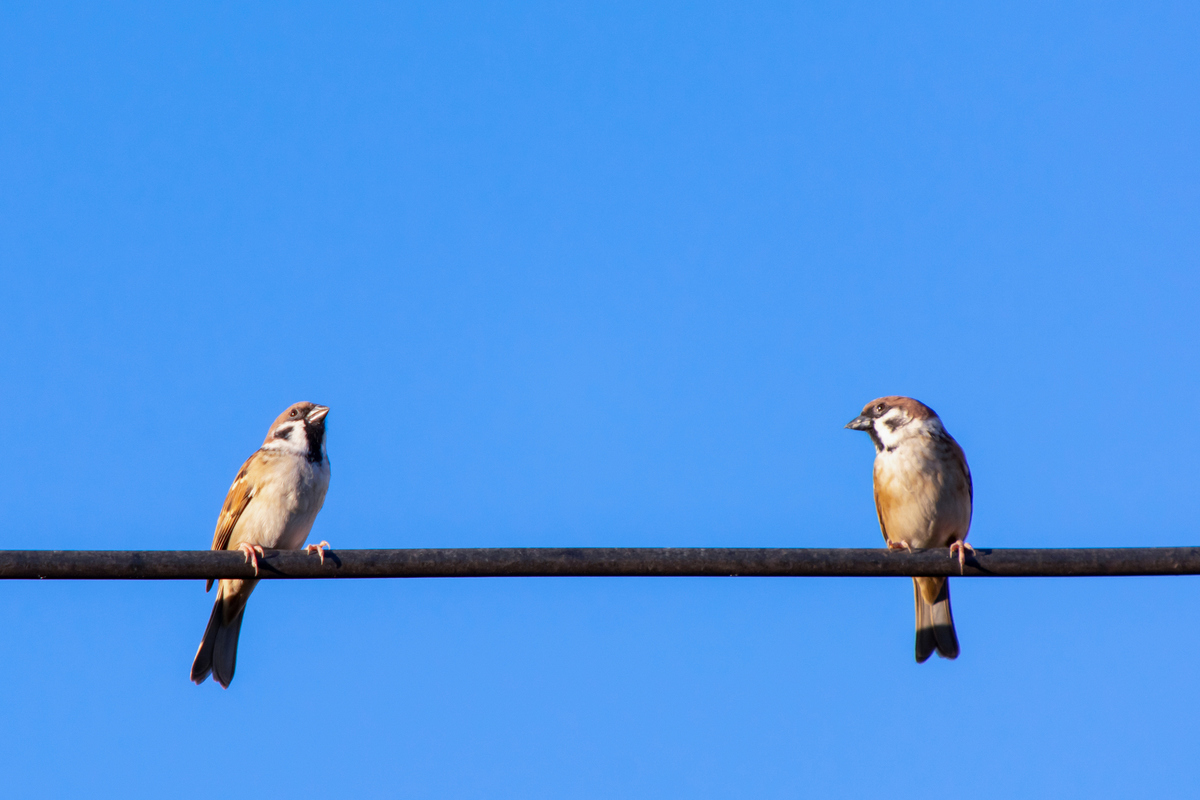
(283, 433)
(893, 423)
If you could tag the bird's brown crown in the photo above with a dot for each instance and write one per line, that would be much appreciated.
(915, 409)
(294, 412)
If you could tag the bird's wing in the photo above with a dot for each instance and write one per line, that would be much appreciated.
(239, 496)
(959, 458)
(880, 502)
(236, 501)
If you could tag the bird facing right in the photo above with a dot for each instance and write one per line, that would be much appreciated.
(923, 497)
(271, 505)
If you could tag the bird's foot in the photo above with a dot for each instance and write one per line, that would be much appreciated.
(961, 548)
(899, 546)
(319, 549)
(252, 552)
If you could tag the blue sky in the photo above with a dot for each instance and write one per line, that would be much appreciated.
(600, 275)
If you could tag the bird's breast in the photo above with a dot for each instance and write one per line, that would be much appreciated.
(286, 500)
(917, 497)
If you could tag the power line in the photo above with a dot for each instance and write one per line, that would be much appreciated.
(596, 562)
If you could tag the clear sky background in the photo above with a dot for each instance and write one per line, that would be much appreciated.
(613, 274)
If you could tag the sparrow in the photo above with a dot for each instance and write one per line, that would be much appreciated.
(271, 506)
(923, 499)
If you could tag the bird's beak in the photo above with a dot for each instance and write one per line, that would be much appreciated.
(317, 414)
(859, 423)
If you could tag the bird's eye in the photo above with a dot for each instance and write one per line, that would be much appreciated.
(879, 408)
(293, 413)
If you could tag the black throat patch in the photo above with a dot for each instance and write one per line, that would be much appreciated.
(315, 432)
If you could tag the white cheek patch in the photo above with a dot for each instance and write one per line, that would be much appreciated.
(292, 439)
(890, 427)
(911, 429)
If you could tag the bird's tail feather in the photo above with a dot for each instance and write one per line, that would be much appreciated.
(225, 651)
(217, 654)
(935, 623)
(203, 663)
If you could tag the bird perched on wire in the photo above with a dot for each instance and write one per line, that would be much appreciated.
(923, 498)
(271, 506)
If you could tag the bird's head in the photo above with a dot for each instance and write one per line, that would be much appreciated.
(890, 420)
(299, 430)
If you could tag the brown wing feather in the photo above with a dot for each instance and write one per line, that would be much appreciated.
(960, 460)
(879, 505)
(235, 503)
